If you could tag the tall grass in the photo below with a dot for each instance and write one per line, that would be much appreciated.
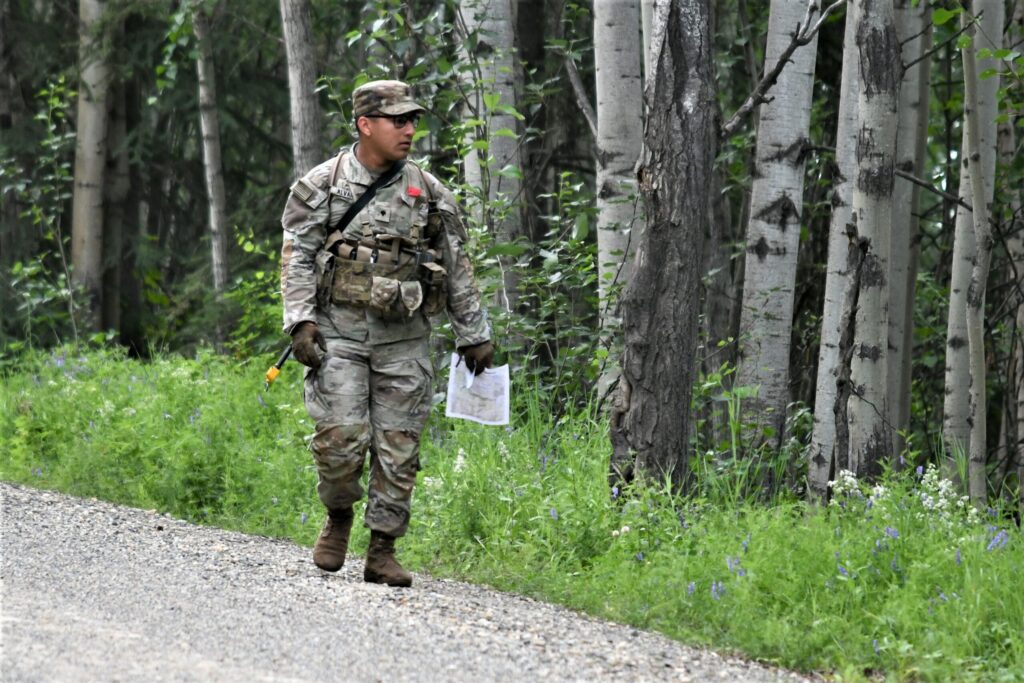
(901, 579)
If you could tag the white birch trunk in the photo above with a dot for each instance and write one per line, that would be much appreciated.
(956, 427)
(646, 17)
(825, 458)
(494, 23)
(211, 154)
(913, 28)
(495, 168)
(617, 63)
(90, 163)
(306, 117)
(773, 230)
(878, 97)
(982, 184)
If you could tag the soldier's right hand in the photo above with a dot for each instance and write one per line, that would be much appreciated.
(305, 338)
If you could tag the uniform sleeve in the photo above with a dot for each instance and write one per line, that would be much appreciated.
(467, 315)
(305, 219)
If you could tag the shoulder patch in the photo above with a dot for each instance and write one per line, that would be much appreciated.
(344, 191)
(308, 193)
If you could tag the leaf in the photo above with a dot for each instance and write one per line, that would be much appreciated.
(582, 228)
(964, 42)
(941, 15)
(491, 99)
(988, 73)
(505, 249)
(505, 133)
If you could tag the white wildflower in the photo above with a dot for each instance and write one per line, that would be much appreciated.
(460, 461)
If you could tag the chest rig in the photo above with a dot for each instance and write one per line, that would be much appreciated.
(384, 252)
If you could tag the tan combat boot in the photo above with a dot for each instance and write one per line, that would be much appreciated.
(329, 551)
(381, 565)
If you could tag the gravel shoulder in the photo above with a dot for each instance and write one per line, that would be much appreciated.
(93, 591)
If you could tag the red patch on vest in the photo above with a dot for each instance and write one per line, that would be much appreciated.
(414, 192)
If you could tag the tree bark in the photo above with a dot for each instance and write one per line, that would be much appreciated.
(956, 418)
(878, 95)
(90, 162)
(619, 81)
(982, 183)
(115, 194)
(913, 27)
(214, 171)
(650, 421)
(307, 118)
(824, 451)
(773, 229)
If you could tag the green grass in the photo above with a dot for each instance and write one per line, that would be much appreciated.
(899, 583)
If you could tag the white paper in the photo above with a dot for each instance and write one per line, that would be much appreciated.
(483, 398)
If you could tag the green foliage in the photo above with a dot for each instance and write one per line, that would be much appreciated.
(44, 311)
(902, 580)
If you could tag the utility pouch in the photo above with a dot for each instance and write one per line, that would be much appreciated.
(324, 270)
(353, 282)
(435, 280)
(393, 300)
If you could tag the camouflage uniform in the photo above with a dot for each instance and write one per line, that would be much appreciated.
(399, 260)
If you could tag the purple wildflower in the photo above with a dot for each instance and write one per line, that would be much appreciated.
(639, 556)
(615, 492)
(842, 570)
(919, 470)
(891, 532)
(958, 558)
(874, 644)
(998, 541)
(717, 590)
(691, 587)
(746, 543)
(303, 517)
(554, 514)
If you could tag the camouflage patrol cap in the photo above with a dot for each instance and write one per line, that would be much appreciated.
(383, 97)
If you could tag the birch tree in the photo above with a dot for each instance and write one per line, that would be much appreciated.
(878, 96)
(956, 427)
(306, 117)
(981, 196)
(773, 230)
(90, 162)
(829, 453)
(495, 163)
(913, 27)
(650, 417)
(214, 172)
(617, 63)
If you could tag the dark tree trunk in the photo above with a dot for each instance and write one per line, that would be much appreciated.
(650, 422)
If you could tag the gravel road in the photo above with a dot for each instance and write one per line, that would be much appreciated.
(96, 592)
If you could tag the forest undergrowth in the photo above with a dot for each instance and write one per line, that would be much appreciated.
(900, 579)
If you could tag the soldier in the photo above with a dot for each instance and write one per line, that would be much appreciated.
(360, 275)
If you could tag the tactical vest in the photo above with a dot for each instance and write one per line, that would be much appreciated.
(389, 257)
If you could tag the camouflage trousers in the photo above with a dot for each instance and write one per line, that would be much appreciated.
(370, 399)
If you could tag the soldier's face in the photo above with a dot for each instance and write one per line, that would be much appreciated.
(388, 137)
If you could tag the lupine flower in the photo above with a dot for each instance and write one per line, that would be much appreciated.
(891, 532)
(958, 558)
(998, 541)
(303, 517)
(717, 590)
(874, 644)
(919, 470)
(691, 587)
(615, 492)
(842, 570)
(746, 543)
(639, 556)
(554, 514)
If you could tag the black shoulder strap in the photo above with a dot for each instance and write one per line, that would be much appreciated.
(365, 198)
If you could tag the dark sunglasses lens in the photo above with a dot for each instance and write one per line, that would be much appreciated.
(403, 119)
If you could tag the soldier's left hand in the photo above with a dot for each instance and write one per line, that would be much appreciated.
(478, 357)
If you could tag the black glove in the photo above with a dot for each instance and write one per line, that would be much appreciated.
(305, 338)
(478, 357)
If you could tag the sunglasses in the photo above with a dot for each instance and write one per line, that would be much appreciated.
(399, 121)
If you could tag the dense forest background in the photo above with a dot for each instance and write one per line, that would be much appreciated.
(161, 241)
